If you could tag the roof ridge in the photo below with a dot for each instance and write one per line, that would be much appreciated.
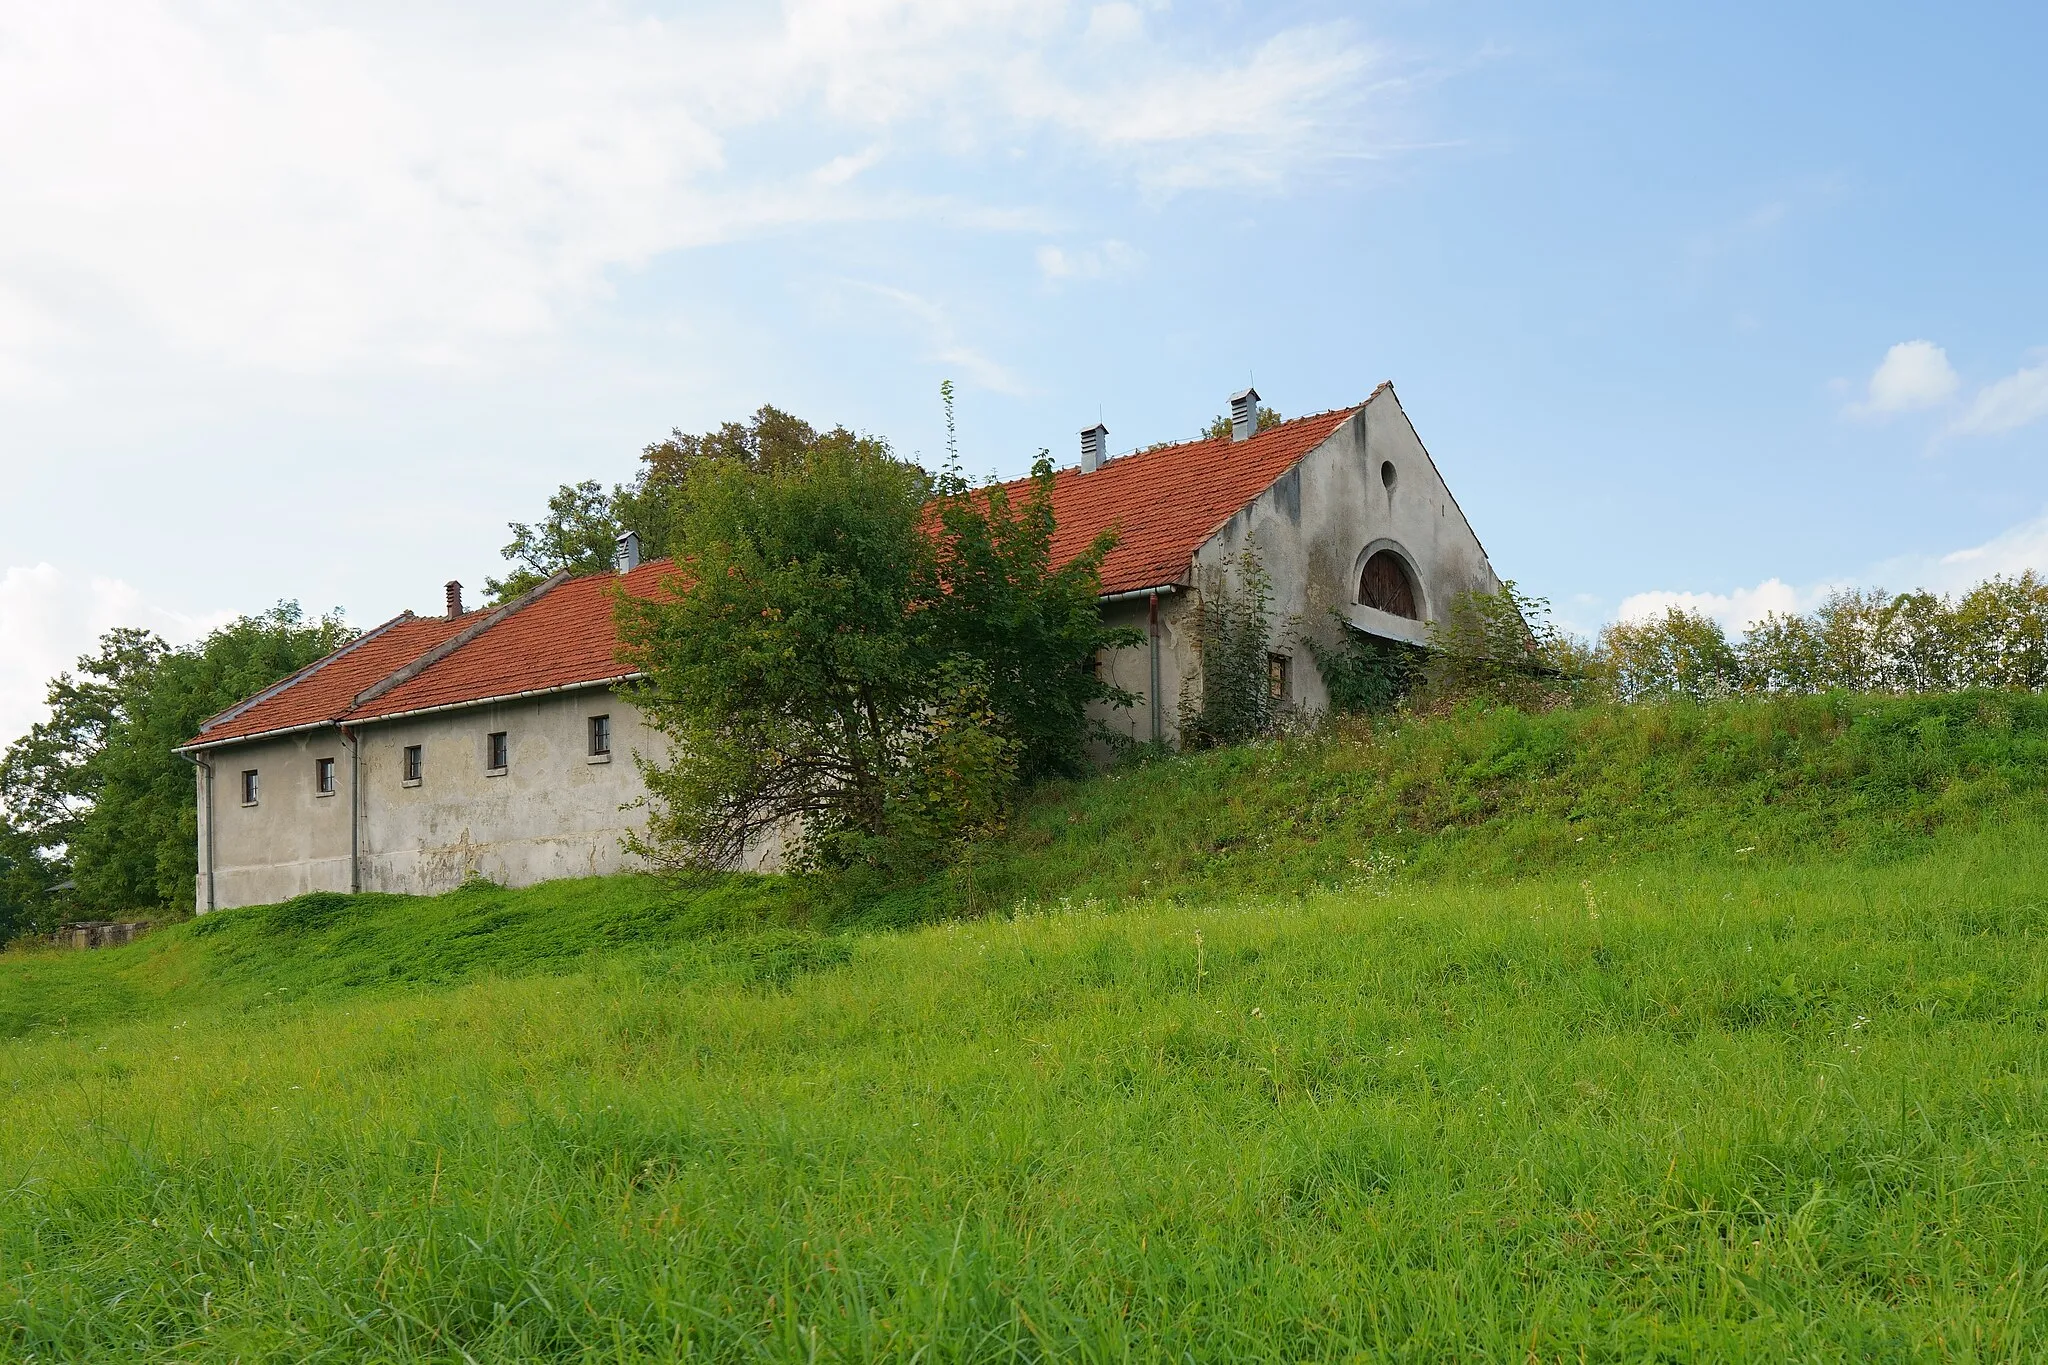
(1163, 447)
(454, 642)
(308, 671)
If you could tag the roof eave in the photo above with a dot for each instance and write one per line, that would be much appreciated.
(494, 700)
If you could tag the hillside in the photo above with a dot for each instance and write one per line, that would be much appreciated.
(1715, 1032)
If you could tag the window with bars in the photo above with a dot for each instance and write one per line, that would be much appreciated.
(600, 736)
(249, 787)
(1278, 676)
(323, 776)
(497, 752)
(412, 767)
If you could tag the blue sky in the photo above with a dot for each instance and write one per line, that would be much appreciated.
(1721, 304)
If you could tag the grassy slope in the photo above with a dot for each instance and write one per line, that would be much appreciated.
(1659, 1094)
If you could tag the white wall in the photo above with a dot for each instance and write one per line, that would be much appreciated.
(555, 811)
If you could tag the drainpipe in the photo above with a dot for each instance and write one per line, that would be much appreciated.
(1152, 626)
(206, 773)
(355, 810)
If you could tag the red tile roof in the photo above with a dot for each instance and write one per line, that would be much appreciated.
(1163, 502)
(324, 691)
(560, 639)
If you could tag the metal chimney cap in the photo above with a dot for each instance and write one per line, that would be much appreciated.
(627, 558)
(454, 591)
(1094, 448)
(1244, 414)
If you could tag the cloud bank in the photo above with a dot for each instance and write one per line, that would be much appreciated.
(319, 187)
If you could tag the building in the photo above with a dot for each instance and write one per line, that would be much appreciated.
(1345, 510)
(496, 743)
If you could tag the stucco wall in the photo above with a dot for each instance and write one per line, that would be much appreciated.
(292, 840)
(554, 811)
(1131, 669)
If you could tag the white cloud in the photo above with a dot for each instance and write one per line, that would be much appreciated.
(48, 619)
(1088, 263)
(2007, 404)
(320, 187)
(1912, 376)
(1737, 610)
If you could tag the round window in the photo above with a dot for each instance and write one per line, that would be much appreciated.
(1386, 586)
(1387, 475)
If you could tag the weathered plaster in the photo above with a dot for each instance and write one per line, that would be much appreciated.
(552, 813)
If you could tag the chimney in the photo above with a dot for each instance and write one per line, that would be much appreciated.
(627, 558)
(1244, 415)
(1094, 448)
(454, 599)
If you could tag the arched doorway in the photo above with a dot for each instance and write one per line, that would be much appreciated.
(1385, 585)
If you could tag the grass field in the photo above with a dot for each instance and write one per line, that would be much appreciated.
(1528, 1077)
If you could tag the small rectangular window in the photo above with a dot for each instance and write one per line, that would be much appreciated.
(412, 763)
(496, 751)
(323, 776)
(600, 735)
(248, 786)
(1277, 670)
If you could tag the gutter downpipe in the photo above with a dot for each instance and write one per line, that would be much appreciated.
(206, 772)
(1152, 628)
(355, 810)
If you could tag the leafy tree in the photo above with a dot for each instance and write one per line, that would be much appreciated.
(790, 672)
(1502, 646)
(24, 883)
(94, 793)
(860, 653)
(580, 532)
(1034, 626)
(1680, 653)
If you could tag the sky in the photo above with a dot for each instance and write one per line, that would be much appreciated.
(1721, 306)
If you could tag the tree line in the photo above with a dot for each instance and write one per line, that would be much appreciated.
(98, 815)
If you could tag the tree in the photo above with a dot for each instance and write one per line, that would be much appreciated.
(1034, 627)
(857, 653)
(1681, 652)
(789, 670)
(94, 793)
(1503, 646)
(580, 532)
(24, 884)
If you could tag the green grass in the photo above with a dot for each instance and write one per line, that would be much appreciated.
(1476, 1089)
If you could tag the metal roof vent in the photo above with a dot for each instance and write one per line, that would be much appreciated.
(1244, 415)
(454, 599)
(627, 558)
(1094, 448)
